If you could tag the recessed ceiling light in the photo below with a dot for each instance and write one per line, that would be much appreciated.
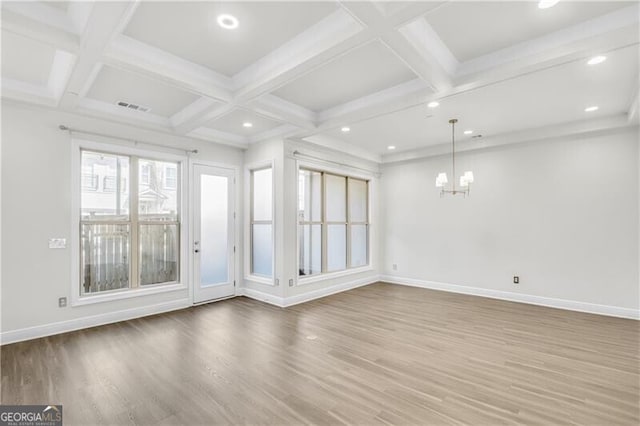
(247, 124)
(468, 132)
(591, 109)
(546, 4)
(346, 129)
(597, 60)
(433, 104)
(391, 147)
(227, 21)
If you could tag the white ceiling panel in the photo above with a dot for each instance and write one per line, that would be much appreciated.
(233, 123)
(189, 29)
(113, 85)
(26, 60)
(472, 29)
(549, 97)
(360, 72)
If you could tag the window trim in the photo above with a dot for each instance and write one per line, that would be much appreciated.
(248, 249)
(77, 146)
(341, 172)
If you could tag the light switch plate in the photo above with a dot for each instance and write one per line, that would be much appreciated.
(57, 243)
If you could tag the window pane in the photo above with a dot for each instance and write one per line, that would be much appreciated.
(99, 197)
(336, 188)
(310, 196)
(262, 194)
(156, 201)
(214, 217)
(357, 200)
(104, 254)
(310, 249)
(336, 247)
(358, 245)
(261, 250)
(158, 254)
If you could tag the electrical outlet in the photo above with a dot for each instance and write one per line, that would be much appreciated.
(516, 279)
(62, 302)
(277, 282)
(394, 267)
(291, 282)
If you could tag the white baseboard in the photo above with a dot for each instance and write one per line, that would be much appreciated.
(260, 296)
(571, 305)
(323, 292)
(284, 302)
(35, 332)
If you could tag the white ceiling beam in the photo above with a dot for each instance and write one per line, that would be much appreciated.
(103, 23)
(25, 92)
(579, 50)
(211, 135)
(402, 96)
(558, 41)
(42, 32)
(329, 38)
(575, 128)
(204, 116)
(408, 45)
(42, 13)
(191, 110)
(282, 131)
(409, 94)
(334, 35)
(339, 146)
(133, 55)
(279, 109)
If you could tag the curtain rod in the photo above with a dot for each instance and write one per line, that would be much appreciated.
(105, 135)
(300, 154)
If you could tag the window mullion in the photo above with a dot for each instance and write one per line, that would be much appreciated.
(348, 223)
(323, 218)
(134, 266)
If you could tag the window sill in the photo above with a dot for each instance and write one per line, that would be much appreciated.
(331, 275)
(126, 294)
(260, 280)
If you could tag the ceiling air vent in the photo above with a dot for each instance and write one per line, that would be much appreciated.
(133, 106)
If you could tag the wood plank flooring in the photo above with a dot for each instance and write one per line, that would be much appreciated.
(380, 354)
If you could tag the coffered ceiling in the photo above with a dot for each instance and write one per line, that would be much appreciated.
(309, 69)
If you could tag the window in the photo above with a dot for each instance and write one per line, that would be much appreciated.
(129, 231)
(171, 177)
(89, 182)
(333, 222)
(145, 174)
(261, 222)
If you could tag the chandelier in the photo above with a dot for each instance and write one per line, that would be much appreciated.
(465, 180)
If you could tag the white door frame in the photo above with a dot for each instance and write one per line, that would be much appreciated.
(233, 171)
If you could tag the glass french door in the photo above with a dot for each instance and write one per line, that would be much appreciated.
(213, 236)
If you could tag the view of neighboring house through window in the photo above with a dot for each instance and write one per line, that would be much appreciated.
(333, 222)
(261, 213)
(123, 247)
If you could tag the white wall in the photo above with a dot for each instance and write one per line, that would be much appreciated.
(561, 214)
(36, 206)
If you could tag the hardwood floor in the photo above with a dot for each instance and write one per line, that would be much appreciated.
(377, 354)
